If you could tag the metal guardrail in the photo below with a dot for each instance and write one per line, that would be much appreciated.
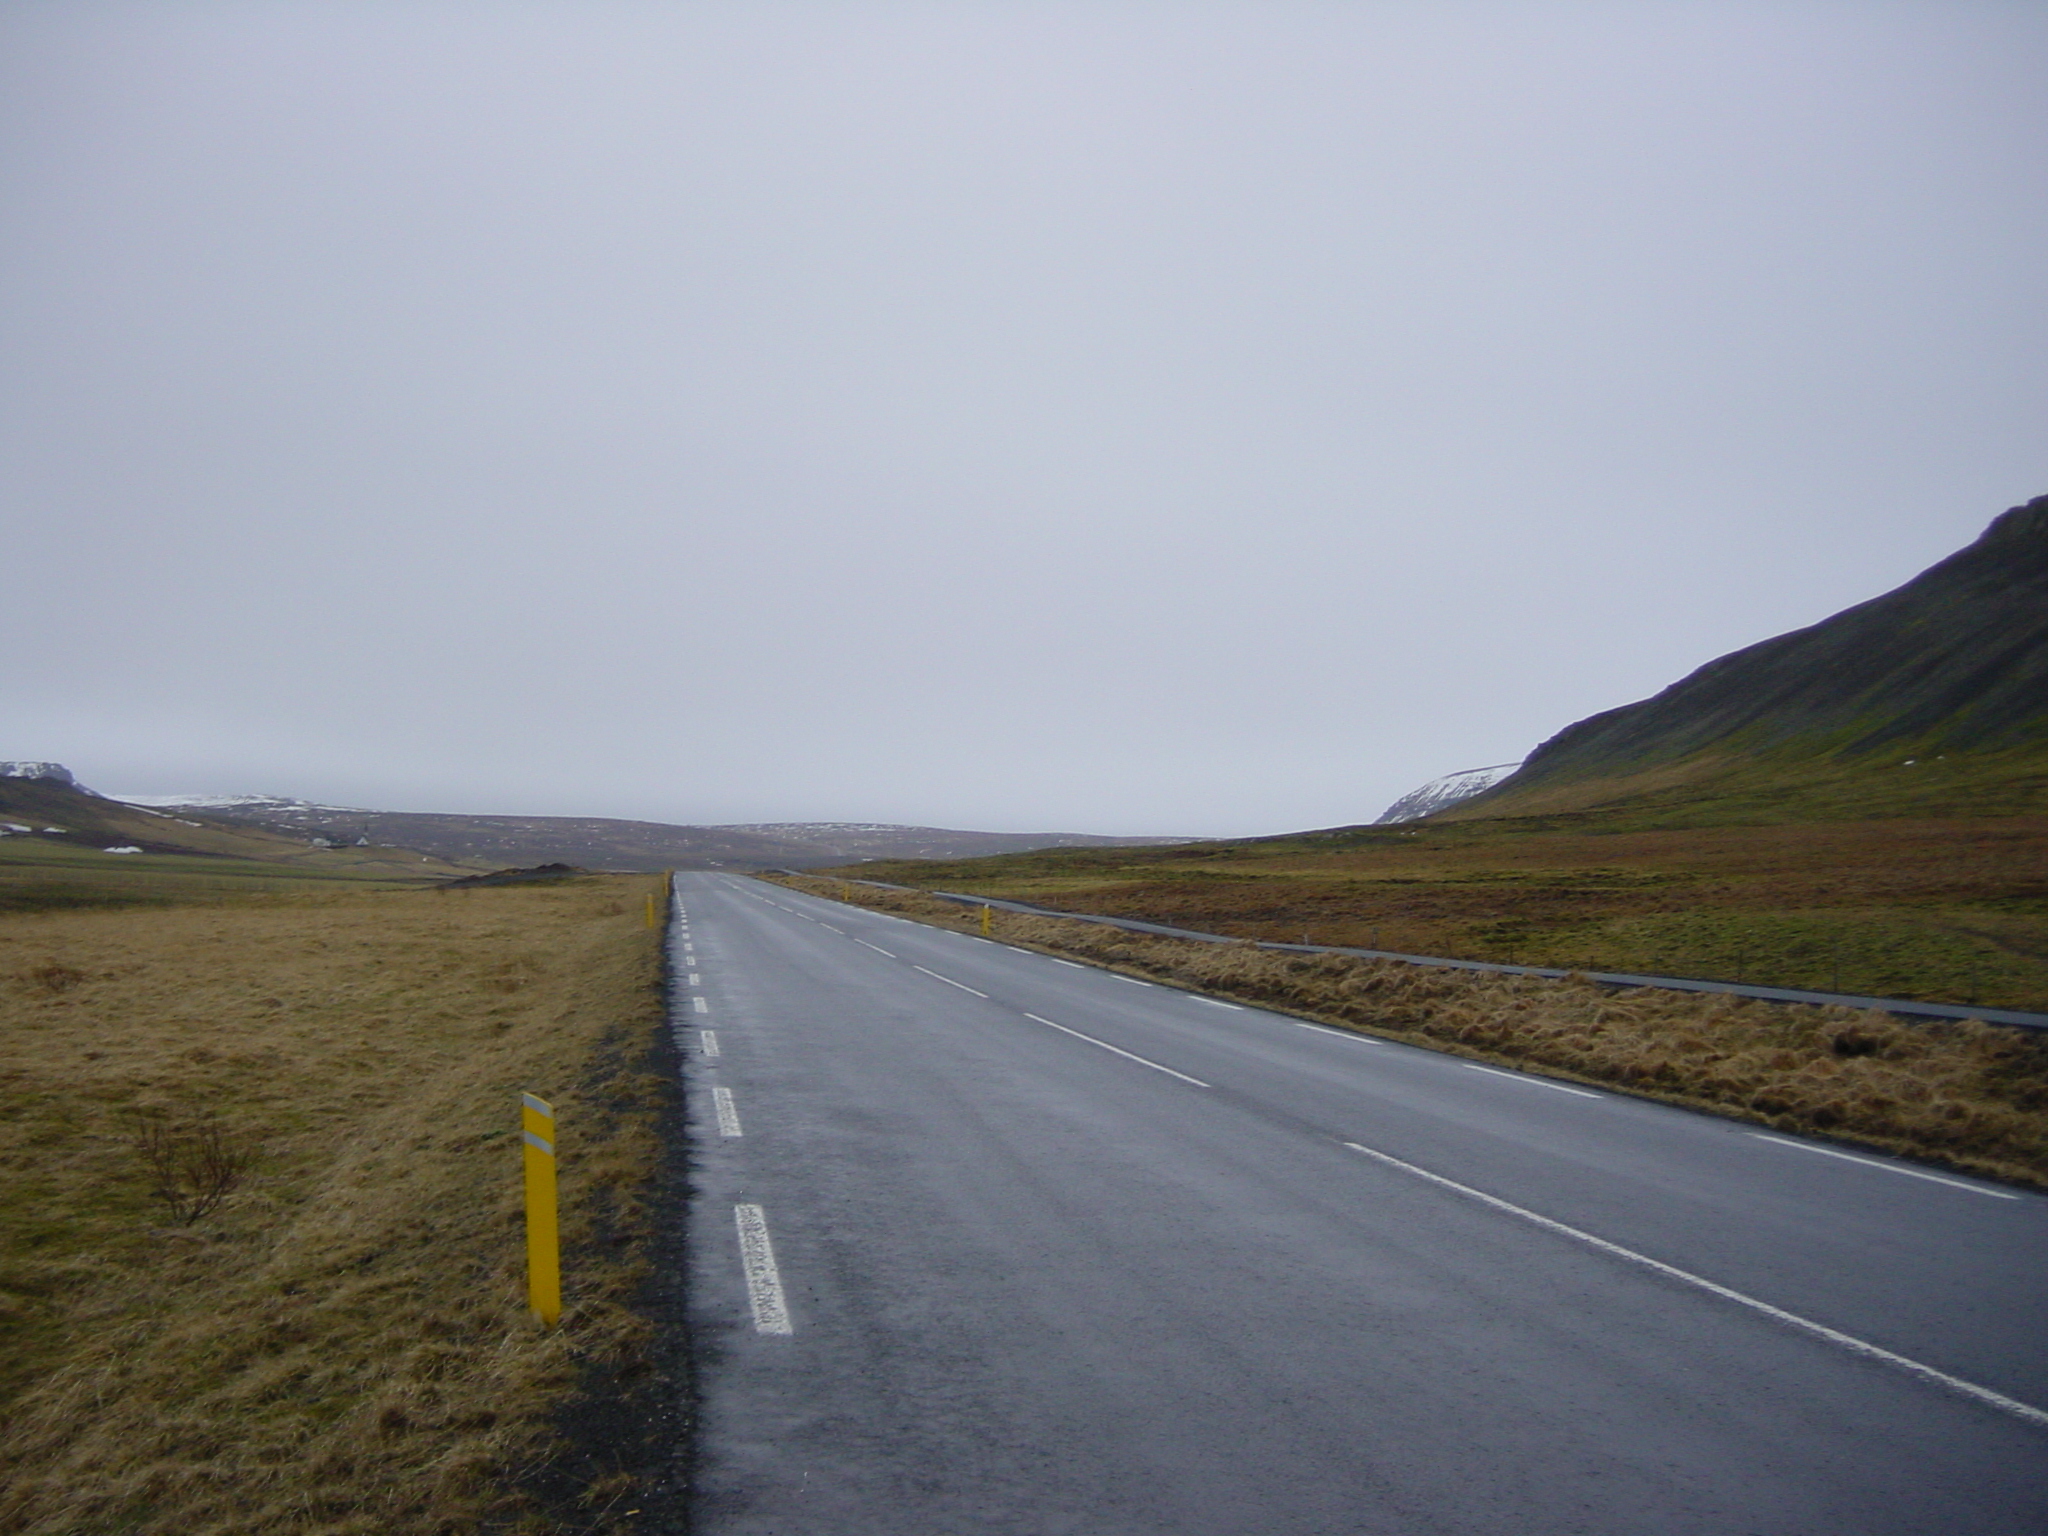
(1901, 1006)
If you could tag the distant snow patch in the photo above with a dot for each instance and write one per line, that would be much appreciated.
(1446, 791)
(129, 849)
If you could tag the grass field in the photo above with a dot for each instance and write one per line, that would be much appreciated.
(1964, 1095)
(41, 874)
(1950, 909)
(343, 1345)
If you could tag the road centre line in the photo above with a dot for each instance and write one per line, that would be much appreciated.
(1119, 1050)
(707, 1040)
(1533, 1082)
(1871, 1162)
(700, 1005)
(877, 948)
(728, 1113)
(696, 980)
(1854, 1345)
(823, 924)
(764, 1281)
(949, 981)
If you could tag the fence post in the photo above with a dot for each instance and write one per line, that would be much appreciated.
(543, 1240)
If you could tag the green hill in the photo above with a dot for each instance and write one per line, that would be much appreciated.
(61, 844)
(1929, 700)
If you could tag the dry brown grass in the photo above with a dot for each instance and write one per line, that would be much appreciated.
(1951, 910)
(343, 1345)
(1967, 1095)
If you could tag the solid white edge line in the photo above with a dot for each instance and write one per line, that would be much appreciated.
(764, 1283)
(1871, 1162)
(700, 1005)
(728, 1112)
(707, 1040)
(877, 948)
(949, 981)
(1533, 1082)
(1233, 1007)
(1119, 1050)
(1070, 964)
(1131, 979)
(1854, 1345)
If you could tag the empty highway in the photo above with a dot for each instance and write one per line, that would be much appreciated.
(986, 1241)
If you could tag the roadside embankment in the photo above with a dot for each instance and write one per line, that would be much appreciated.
(342, 1343)
(1965, 1095)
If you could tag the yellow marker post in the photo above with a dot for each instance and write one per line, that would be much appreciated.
(845, 891)
(988, 921)
(650, 911)
(543, 1241)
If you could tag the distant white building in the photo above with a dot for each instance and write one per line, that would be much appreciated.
(1446, 791)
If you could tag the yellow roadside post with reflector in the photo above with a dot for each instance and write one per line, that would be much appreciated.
(543, 1241)
(988, 920)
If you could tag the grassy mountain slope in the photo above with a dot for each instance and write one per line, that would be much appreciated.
(63, 859)
(1858, 805)
(1929, 700)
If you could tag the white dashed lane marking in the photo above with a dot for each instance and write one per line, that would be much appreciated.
(764, 1281)
(707, 1041)
(949, 981)
(1533, 1082)
(1849, 1342)
(1333, 1032)
(1117, 1050)
(728, 1114)
(1868, 1162)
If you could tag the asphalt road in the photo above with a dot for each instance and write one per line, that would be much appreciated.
(983, 1241)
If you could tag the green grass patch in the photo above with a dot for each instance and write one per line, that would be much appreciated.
(42, 874)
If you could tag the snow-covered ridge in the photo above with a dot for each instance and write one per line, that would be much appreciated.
(816, 828)
(202, 802)
(56, 772)
(1446, 791)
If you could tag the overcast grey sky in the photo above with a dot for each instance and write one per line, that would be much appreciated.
(1210, 418)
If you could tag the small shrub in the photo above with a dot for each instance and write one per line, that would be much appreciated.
(192, 1167)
